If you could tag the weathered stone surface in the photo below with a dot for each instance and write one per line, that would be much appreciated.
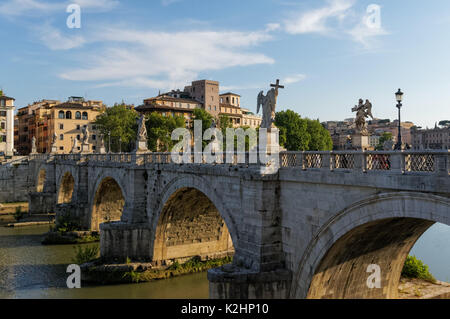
(317, 229)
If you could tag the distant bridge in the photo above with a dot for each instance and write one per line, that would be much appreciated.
(309, 230)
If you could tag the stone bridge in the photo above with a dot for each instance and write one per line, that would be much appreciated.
(309, 230)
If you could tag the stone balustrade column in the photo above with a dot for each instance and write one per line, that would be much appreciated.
(441, 164)
(326, 161)
(360, 161)
(396, 159)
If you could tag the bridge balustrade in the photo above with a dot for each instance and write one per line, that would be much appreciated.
(366, 161)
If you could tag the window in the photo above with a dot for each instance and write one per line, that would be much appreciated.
(94, 127)
(68, 115)
(61, 148)
(61, 137)
(94, 137)
(233, 100)
(61, 115)
(78, 115)
(79, 148)
(85, 116)
(3, 125)
(94, 148)
(78, 137)
(3, 138)
(3, 113)
(61, 126)
(2, 102)
(78, 127)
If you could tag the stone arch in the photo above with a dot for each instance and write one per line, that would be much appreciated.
(379, 230)
(40, 183)
(191, 220)
(108, 202)
(66, 188)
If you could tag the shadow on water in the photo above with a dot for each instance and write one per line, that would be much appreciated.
(31, 270)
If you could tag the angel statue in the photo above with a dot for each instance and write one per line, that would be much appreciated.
(142, 129)
(268, 103)
(363, 111)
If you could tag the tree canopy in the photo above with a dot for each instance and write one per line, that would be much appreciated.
(118, 123)
(298, 134)
(159, 131)
(386, 136)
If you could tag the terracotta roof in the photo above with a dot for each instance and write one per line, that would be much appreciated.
(3, 97)
(229, 93)
(171, 99)
(155, 107)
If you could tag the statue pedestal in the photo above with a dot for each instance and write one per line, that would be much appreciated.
(269, 153)
(54, 150)
(141, 147)
(102, 150)
(85, 148)
(360, 142)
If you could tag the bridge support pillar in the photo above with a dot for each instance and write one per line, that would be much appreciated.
(230, 282)
(41, 203)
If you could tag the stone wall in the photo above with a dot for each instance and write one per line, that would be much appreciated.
(15, 182)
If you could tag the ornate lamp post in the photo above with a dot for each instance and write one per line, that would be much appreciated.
(399, 98)
(109, 142)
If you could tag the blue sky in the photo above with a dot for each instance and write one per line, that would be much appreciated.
(328, 53)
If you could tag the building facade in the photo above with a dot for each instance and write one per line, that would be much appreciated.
(7, 124)
(47, 118)
(201, 94)
(431, 139)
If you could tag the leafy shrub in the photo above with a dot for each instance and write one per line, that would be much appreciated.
(67, 223)
(85, 254)
(18, 215)
(415, 268)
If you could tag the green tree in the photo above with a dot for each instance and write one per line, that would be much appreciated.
(386, 136)
(298, 134)
(206, 118)
(159, 131)
(119, 124)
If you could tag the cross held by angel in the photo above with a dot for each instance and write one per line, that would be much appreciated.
(268, 103)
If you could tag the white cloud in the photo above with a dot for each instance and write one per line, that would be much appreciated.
(166, 59)
(38, 7)
(315, 21)
(294, 78)
(55, 40)
(272, 27)
(369, 27)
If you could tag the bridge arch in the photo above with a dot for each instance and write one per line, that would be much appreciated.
(40, 180)
(379, 230)
(191, 220)
(107, 203)
(66, 188)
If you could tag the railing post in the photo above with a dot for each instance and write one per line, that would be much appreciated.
(441, 164)
(326, 161)
(360, 161)
(396, 159)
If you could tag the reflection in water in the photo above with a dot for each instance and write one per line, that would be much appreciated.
(31, 270)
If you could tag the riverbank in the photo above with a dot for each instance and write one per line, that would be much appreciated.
(412, 288)
(16, 215)
(96, 272)
(72, 237)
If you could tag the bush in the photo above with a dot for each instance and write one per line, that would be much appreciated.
(18, 215)
(86, 254)
(66, 223)
(415, 268)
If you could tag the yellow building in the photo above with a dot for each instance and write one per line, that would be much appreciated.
(45, 119)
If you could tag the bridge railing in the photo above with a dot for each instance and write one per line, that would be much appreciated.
(367, 161)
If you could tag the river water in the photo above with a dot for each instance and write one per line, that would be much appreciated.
(31, 270)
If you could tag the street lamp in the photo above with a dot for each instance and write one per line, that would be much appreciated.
(109, 141)
(399, 98)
